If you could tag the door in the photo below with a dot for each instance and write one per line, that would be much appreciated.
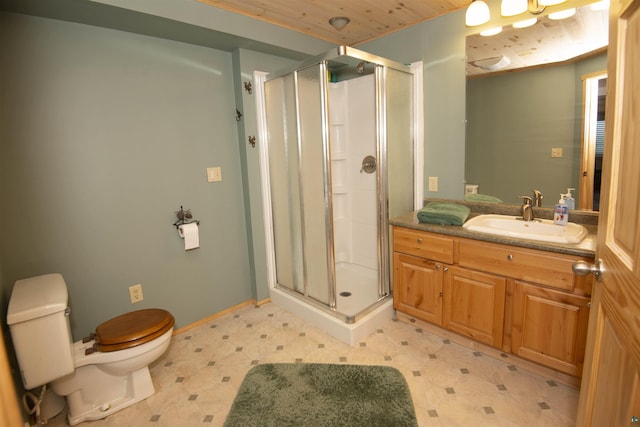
(610, 394)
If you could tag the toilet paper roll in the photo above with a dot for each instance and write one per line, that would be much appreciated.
(189, 232)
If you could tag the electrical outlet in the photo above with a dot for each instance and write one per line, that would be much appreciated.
(433, 184)
(135, 293)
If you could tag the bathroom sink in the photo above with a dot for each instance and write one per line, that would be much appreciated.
(543, 230)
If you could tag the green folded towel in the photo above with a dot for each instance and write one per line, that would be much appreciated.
(481, 198)
(444, 213)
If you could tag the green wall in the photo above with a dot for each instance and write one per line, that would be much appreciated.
(104, 135)
(439, 43)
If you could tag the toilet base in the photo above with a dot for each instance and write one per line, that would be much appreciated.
(121, 393)
(51, 405)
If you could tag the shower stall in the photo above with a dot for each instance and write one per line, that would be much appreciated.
(340, 164)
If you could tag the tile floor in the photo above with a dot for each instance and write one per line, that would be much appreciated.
(197, 379)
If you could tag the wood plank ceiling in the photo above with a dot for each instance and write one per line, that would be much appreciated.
(370, 19)
(544, 43)
(547, 42)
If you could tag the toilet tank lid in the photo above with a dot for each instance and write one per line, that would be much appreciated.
(37, 297)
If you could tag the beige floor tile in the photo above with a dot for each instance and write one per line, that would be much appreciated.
(199, 376)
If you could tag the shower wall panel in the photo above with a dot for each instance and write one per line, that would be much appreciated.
(339, 172)
(361, 137)
(353, 137)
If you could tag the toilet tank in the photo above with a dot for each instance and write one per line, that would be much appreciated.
(38, 319)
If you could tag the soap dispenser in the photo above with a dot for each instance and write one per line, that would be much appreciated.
(561, 212)
(569, 199)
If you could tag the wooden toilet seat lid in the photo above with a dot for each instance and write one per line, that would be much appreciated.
(132, 329)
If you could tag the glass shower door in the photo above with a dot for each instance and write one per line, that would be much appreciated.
(300, 187)
(283, 169)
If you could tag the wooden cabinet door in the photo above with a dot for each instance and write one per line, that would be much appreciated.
(549, 327)
(417, 287)
(474, 305)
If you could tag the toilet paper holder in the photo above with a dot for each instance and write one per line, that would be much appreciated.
(184, 217)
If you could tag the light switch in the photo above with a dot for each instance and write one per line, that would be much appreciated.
(214, 174)
(556, 152)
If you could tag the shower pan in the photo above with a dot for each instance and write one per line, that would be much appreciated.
(340, 162)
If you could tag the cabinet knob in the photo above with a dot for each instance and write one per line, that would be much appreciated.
(446, 269)
(438, 267)
(419, 240)
(510, 257)
(635, 420)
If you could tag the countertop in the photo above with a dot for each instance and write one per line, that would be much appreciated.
(586, 248)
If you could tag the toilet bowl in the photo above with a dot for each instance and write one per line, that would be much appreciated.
(99, 375)
(106, 382)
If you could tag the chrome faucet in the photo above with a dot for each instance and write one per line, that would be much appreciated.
(537, 198)
(527, 208)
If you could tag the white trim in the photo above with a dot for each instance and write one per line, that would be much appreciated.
(259, 78)
(418, 129)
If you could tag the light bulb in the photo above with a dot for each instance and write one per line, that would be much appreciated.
(477, 13)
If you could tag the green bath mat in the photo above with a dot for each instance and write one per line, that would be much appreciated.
(319, 395)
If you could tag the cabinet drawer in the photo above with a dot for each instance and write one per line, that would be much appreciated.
(423, 244)
(531, 265)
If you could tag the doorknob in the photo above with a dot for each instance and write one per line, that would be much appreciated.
(582, 268)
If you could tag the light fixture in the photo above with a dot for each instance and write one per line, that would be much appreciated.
(563, 14)
(525, 23)
(491, 31)
(513, 7)
(492, 64)
(339, 22)
(477, 13)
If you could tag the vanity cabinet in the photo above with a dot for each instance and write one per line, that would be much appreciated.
(523, 301)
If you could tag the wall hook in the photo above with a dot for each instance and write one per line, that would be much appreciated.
(238, 115)
(248, 88)
(252, 141)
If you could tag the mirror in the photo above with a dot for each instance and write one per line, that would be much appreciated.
(525, 113)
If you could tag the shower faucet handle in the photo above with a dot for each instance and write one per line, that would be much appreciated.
(368, 164)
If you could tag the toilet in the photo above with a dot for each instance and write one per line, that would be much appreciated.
(98, 375)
